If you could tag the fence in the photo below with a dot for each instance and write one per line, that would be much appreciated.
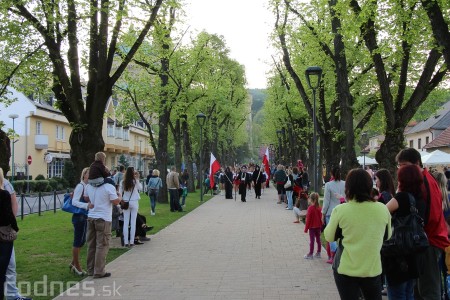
(46, 201)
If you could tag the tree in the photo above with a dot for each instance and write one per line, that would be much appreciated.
(73, 37)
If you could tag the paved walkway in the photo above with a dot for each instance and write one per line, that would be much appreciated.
(221, 250)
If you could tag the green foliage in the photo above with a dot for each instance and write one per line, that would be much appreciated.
(69, 174)
(42, 186)
(123, 161)
(40, 177)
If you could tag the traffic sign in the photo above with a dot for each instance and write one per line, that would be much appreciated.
(29, 160)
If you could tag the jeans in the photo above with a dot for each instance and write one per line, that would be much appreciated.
(11, 290)
(174, 200)
(129, 219)
(402, 291)
(289, 198)
(349, 287)
(429, 282)
(333, 245)
(5, 257)
(98, 236)
(153, 198)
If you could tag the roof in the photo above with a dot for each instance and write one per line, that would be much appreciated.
(439, 121)
(443, 140)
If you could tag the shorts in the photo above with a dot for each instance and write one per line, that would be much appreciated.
(79, 222)
(280, 189)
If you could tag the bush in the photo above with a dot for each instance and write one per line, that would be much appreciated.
(40, 177)
(41, 186)
(19, 186)
(53, 182)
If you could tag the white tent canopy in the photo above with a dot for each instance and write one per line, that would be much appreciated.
(368, 161)
(436, 157)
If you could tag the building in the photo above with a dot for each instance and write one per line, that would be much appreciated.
(42, 136)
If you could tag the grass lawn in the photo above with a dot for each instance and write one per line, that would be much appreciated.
(44, 247)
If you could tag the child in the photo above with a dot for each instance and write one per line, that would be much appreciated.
(297, 211)
(98, 171)
(314, 225)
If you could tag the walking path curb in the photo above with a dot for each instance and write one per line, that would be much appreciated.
(224, 249)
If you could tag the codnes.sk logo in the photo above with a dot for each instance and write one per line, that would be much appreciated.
(87, 288)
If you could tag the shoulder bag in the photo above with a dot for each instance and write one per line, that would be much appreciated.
(126, 204)
(288, 183)
(68, 207)
(7, 234)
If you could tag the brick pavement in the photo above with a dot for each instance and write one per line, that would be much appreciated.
(221, 250)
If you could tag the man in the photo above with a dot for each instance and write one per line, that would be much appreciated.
(173, 184)
(101, 200)
(119, 177)
(245, 180)
(435, 228)
(11, 290)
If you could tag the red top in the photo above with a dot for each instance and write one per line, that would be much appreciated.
(313, 217)
(435, 228)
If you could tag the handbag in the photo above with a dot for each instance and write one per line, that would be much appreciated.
(7, 234)
(337, 256)
(288, 184)
(126, 204)
(68, 207)
(408, 235)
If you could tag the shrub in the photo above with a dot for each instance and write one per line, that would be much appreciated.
(40, 177)
(19, 186)
(41, 185)
(53, 182)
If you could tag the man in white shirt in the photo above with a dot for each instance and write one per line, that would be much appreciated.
(101, 200)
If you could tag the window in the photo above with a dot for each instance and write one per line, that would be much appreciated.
(411, 144)
(419, 144)
(55, 168)
(427, 140)
(38, 127)
(110, 129)
(126, 134)
(119, 132)
(59, 132)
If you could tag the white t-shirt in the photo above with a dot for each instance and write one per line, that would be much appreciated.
(7, 186)
(101, 197)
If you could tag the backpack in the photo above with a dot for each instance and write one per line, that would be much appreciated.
(408, 235)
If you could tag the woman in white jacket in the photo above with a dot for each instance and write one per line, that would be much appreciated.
(334, 194)
(129, 189)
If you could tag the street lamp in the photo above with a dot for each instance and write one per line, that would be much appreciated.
(140, 155)
(201, 119)
(314, 75)
(364, 151)
(279, 133)
(13, 117)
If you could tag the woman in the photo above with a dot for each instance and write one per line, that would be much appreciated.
(154, 184)
(79, 222)
(333, 196)
(228, 183)
(129, 188)
(6, 218)
(402, 271)
(280, 178)
(360, 225)
(289, 190)
(385, 185)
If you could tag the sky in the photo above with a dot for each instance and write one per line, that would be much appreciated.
(245, 25)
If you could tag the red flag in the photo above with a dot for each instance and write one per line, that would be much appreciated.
(266, 162)
(214, 166)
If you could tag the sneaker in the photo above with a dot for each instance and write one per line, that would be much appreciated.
(23, 298)
(330, 261)
(296, 221)
(308, 256)
(152, 213)
(317, 255)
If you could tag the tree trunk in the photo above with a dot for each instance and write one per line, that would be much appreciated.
(389, 148)
(177, 144)
(5, 151)
(187, 150)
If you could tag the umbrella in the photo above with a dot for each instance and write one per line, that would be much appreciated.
(436, 157)
(369, 161)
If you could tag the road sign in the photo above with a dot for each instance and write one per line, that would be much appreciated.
(29, 160)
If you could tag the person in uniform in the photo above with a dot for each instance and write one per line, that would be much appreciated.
(244, 180)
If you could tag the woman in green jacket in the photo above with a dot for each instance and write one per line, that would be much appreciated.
(360, 226)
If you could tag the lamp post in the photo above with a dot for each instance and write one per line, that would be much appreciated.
(140, 155)
(279, 133)
(13, 169)
(201, 119)
(314, 75)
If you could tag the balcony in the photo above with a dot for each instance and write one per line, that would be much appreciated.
(41, 141)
